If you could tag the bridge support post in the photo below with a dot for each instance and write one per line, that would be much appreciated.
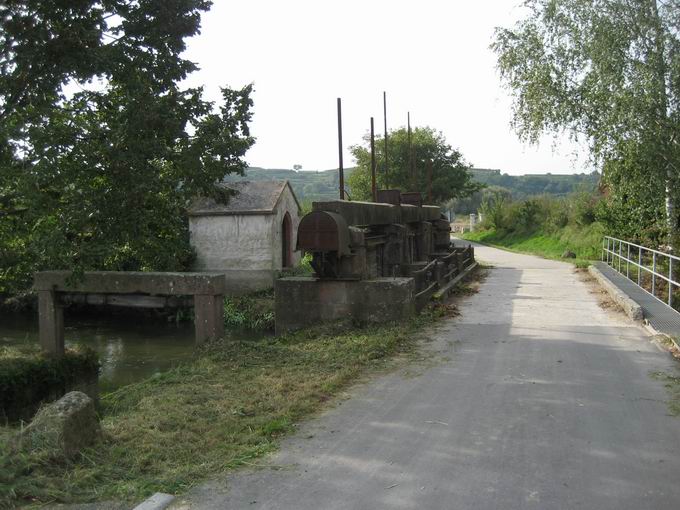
(208, 317)
(459, 262)
(51, 323)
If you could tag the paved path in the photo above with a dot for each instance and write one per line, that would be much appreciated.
(544, 401)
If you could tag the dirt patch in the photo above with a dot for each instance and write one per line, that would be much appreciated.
(603, 297)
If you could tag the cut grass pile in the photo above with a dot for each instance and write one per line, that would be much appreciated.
(213, 414)
(585, 242)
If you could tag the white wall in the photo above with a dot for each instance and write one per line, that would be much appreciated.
(246, 248)
(239, 242)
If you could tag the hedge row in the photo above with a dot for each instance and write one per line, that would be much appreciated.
(27, 378)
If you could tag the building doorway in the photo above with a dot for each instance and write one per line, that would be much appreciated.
(286, 242)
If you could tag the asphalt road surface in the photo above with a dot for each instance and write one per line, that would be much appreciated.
(537, 398)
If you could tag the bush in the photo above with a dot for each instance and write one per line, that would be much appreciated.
(584, 205)
(558, 215)
(253, 311)
(493, 210)
(27, 378)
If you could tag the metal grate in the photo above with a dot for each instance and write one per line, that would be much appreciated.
(660, 316)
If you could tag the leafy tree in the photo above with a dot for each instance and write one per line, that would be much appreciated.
(608, 71)
(101, 149)
(450, 175)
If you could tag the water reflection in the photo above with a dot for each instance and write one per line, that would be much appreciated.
(130, 349)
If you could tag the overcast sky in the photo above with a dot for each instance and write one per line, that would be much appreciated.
(431, 56)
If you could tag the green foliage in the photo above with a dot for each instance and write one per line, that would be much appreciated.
(545, 225)
(527, 213)
(253, 311)
(493, 209)
(450, 175)
(584, 208)
(28, 378)
(101, 150)
(608, 72)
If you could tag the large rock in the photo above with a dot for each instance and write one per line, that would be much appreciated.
(63, 427)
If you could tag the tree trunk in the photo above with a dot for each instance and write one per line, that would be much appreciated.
(662, 92)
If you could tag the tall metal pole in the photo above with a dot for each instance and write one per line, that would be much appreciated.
(385, 118)
(341, 170)
(374, 192)
(410, 151)
(429, 181)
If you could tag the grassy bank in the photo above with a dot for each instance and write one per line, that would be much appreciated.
(584, 241)
(223, 410)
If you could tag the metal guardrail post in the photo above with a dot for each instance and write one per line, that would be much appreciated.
(612, 248)
(639, 265)
(607, 253)
(670, 283)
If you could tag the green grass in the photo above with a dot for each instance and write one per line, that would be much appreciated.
(585, 242)
(223, 410)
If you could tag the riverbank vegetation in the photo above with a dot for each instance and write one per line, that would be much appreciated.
(606, 72)
(254, 311)
(102, 144)
(545, 226)
(27, 377)
(223, 410)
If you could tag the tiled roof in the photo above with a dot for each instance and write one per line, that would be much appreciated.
(251, 197)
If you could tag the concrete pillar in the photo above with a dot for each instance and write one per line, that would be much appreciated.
(208, 317)
(51, 323)
(440, 269)
(459, 262)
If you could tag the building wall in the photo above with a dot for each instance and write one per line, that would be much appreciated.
(288, 204)
(238, 245)
(246, 248)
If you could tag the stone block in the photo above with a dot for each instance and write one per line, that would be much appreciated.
(64, 427)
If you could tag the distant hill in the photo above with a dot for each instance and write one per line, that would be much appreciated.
(522, 186)
(311, 185)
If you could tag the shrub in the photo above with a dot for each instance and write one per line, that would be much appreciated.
(493, 210)
(27, 378)
(253, 311)
(558, 215)
(584, 206)
(528, 214)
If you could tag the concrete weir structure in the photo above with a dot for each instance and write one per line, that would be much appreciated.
(98, 287)
(373, 262)
(311, 301)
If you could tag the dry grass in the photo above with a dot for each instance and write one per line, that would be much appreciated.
(216, 413)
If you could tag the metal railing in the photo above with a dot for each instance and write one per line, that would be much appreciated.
(645, 262)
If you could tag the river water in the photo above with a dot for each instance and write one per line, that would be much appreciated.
(130, 348)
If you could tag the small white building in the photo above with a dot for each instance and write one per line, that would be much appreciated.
(251, 238)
